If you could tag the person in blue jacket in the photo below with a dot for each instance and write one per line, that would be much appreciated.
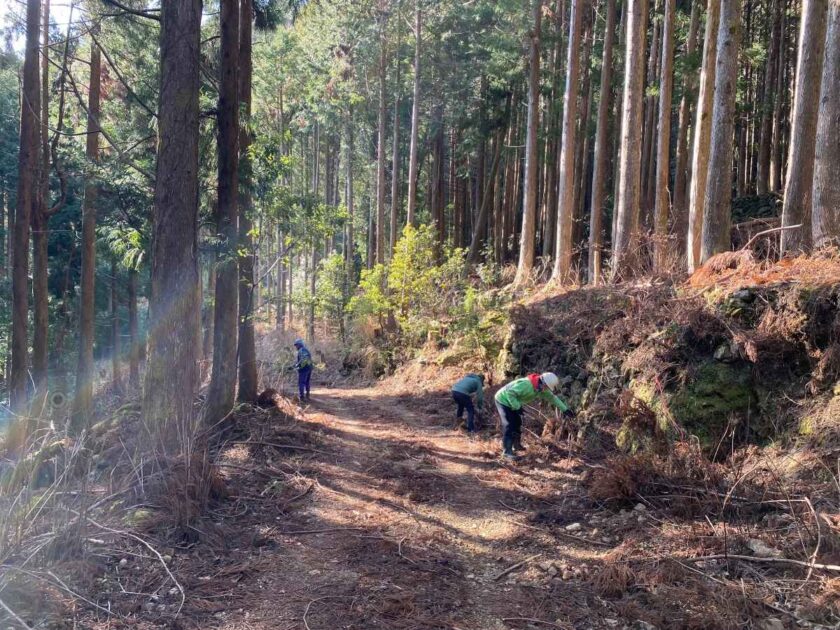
(303, 365)
(462, 393)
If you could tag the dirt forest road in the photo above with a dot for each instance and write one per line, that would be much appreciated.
(390, 518)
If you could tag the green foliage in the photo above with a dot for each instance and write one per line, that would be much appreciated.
(333, 293)
(371, 299)
(420, 288)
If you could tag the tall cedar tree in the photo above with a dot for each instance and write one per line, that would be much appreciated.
(172, 373)
(689, 98)
(630, 159)
(717, 207)
(415, 119)
(247, 283)
(662, 208)
(762, 183)
(826, 198)
(566, 177)
(599, 173)
(702, 137)
(27, 200)
(40, 225)
(395, 145)
(527, 241)
(803, 133)
(380, 137)
(220, 395)
(85, 374)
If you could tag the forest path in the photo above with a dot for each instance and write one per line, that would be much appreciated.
(409, 524)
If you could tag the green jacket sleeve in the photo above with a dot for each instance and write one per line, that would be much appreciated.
(554, 400)
(479, 395)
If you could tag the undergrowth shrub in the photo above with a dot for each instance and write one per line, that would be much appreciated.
(425, 293)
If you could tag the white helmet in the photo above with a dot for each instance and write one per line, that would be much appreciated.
(550, 380)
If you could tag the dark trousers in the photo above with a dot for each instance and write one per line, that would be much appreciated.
(464, 401)
(304, 376)
(511, 426)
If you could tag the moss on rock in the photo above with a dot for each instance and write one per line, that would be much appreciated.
(714, 394)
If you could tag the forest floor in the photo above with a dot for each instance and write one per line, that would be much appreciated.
(405, 523)
(370, 509)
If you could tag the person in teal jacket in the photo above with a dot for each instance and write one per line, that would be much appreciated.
(462, 393)
(512, 398)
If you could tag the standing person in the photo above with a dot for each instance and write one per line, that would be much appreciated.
(511, 399)
(462, 393)
(303, 365)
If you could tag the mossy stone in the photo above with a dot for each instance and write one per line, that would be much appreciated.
(714, 394)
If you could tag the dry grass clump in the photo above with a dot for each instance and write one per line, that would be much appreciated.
(684, 471)
(614, 579)
(733, 270)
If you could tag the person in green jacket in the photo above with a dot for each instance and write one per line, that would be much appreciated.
(512, 398)
(462, 393)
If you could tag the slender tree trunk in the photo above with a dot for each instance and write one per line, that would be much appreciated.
(220, 395)
(776, 153)
(380, 142)
(553, 142)
(618, 134)
(415, 119)
(689, 98)
(800, 176)
(702, 136)
(4, 231)
(40, 226)
(207, 313)
(133, 332)
(10, 246)
(291, 304)
(27, 204)
(826, 196)
(486, 199)
(629, 169)
(116, 350)
(349, 244)
(663, 146)
(762, 184)
(566, 180)
(172, 371)
(527, 241)
(248, 380)
(649, 138)
(395, 146)
(313, 277)
(599, 174)
(717, 208)
(582, 139)
(282, 253)
(437, 179)
(85, 374)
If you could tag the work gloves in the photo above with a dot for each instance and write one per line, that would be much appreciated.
(569, 414)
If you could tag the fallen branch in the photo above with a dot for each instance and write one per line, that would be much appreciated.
(770, 231)
(299, 496)
(303, 532)
(538, 621)
(320, 599)
(291, 447)
(798, 563)
(514, 567)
